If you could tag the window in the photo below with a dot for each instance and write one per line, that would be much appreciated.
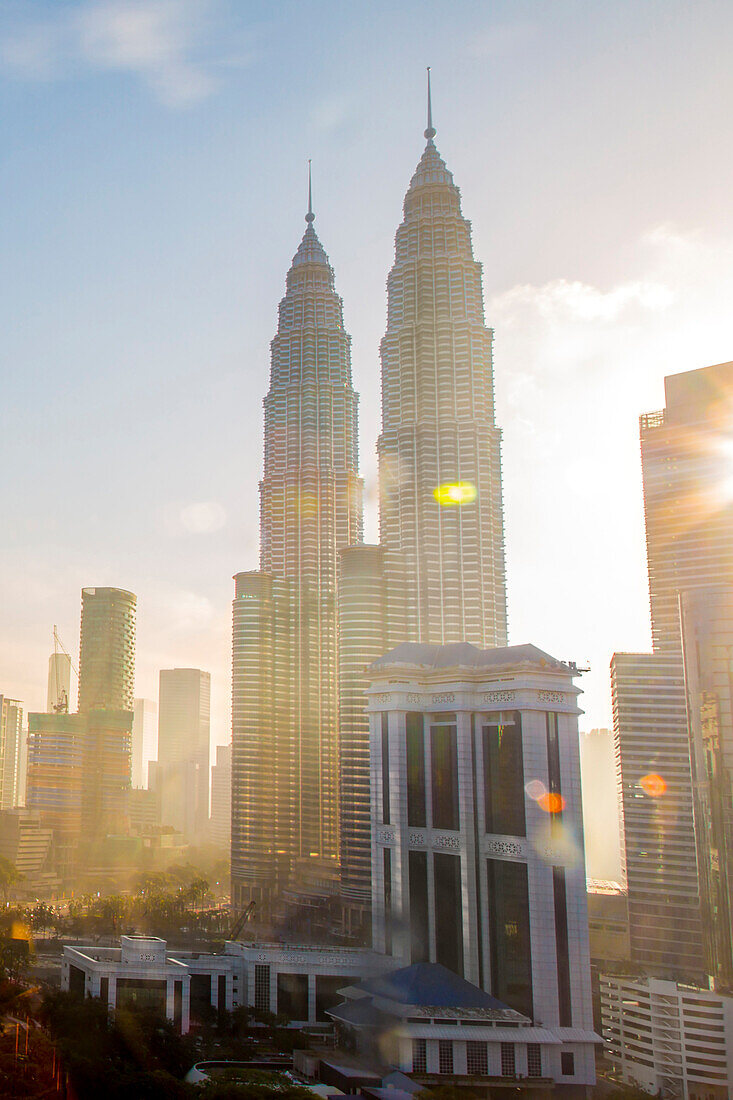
(327, 995)
(418, 874)
(444, 776)
(508, 1062)
(104, 990)
(562, 947)
(477, 1059)
(445, 1056)
(553, 762)
(448, 911)
(567, 1063)
(388, 900)
(504, 778)
(292, 996)
(419, 1056)
(262, 987)
(142, 993)
(534, 1060)
(415, 744)
(509, 934)
(385, 769)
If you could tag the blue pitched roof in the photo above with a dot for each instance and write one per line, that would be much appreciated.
(430, 984)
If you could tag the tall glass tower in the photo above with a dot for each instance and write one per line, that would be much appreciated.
(285, 651)
(439, 451)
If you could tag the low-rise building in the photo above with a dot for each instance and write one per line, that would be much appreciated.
(668, 1038)
(427, 1021)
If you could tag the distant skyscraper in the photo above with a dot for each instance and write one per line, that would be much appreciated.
(438, 576)
(220, 822)
(658, 850)
(285, 648)
(688, 507)
(107, 649)
(182, 778)
(144, 740)
(58, 695)
(600, 804)
(13, 754)
(439, 451)
(707, 634)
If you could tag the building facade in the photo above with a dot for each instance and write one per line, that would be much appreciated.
(13, 754)
(668, 1039)
(144, 740)
(182, 771)
(58, 695)
(438, 576)
(220, 821)
(688, 510)
(658, 854)
(440, 497)
(107, 649)
(477, 832)
(285, 647)
(707, 636)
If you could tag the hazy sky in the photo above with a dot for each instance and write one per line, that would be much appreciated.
(153, 180)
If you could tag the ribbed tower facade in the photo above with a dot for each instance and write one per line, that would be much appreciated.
(438, 427)
(438, 575)
(285, 697)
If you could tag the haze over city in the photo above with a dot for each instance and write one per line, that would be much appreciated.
(154, 183)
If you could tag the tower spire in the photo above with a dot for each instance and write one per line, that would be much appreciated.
(310, 216)
(430, 132)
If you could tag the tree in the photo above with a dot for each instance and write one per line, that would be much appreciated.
(9, 876)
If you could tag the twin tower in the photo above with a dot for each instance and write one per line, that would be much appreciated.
(323, 605)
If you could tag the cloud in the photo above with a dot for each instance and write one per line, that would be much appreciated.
(157, 41)
(576, 364)
(203, 517)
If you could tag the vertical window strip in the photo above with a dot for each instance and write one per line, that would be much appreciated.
(385, 769)
(562, 947)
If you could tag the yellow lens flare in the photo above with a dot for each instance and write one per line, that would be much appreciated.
(653, 785)
(455, 492)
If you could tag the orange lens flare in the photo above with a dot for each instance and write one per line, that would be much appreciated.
(653, 785)
(455, 492)
(551, 803)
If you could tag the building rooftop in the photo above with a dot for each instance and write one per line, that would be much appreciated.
(430, 985)
(466, 655)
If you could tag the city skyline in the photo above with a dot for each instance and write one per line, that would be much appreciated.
(628, 255)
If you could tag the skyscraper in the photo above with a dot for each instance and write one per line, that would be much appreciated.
(107, 649)
(182, 773)
(220, 819)
(688, 509)
(438, 576)
(439, 452)
(285, 649)
(707, 635)
(58, 696)
(144, 740)
(13, 754)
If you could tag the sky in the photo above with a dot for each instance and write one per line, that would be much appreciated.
(153, 173)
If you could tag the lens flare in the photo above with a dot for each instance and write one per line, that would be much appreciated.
(455, 492)
(551, 803)
(653, 785)
(535, 789)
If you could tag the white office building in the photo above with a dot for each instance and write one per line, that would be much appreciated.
(477, 831)
(668, 1038)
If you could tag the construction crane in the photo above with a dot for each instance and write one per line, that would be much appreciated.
(61, 706)
(241, 920)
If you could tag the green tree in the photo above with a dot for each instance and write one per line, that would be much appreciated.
(10, 876)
